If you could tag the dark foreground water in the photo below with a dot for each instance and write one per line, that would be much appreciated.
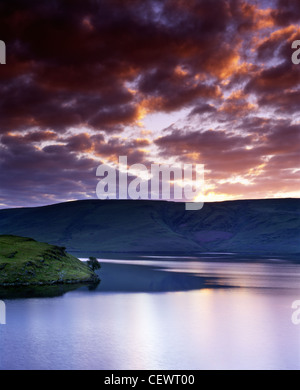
(173, 314)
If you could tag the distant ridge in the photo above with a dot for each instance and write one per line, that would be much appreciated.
(90, 226)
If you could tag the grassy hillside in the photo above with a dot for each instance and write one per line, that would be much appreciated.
(86, 227)
(26, 261)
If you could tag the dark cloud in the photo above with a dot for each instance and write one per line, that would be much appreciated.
(202, 109)
(286, 103)
(276, 78)
(56, 172)
(39, 176)
(79, 73)
(218, 150)
(69, 62)
(286, 12)
(271, 154)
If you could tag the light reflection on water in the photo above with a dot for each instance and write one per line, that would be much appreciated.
(238, 274)
(208, 328)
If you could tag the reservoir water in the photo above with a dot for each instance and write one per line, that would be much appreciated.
(154, 313)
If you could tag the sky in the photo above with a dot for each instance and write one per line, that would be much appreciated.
(160, 81)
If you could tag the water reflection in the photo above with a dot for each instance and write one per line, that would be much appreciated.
(47, 291)
(178, 275)
(160, 315)
(153, 274)
(200, 329)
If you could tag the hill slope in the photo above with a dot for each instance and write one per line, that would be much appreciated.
(24, 261)
(85, 227)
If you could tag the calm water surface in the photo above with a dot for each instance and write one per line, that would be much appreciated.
(156, 314)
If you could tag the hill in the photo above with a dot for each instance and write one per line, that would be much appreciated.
(24, 261)
(95, 226)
